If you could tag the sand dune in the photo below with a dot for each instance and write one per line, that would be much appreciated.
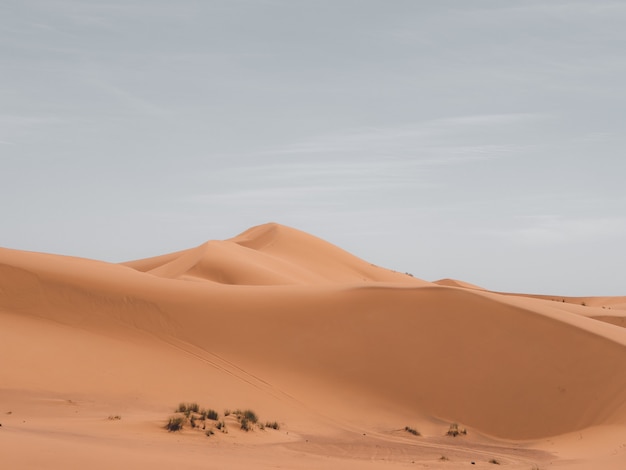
(606, 309)
(303, 331)
(269, 254)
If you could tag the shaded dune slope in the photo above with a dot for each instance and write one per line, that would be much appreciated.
(606, 309)
(293, 309)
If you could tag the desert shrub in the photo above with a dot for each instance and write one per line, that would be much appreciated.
(114, 418)
(188, 408)
(246, 414)
(413, 431)
(193, 407)
(226, 412)
(444, 458)
(212, 415)
(209, 432)
(494, 461)
(245, 424)
(454, 430)
(220, 425)
(175, 424)
(192, 421)
(250, 416)
(273, 425)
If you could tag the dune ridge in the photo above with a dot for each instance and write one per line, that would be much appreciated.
(285, 315)
(269, 254)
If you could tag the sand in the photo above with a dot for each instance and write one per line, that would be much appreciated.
(344, 355)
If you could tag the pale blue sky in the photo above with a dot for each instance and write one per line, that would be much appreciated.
(480, 140)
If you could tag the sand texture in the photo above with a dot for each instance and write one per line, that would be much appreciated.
(343, 355)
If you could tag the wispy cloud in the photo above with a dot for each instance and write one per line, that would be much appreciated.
(555, 229)
(387, 164)
(417, 139)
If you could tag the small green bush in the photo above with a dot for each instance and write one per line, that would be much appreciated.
(250, 416)
(212, 415)
(175, 424)
(245, 424)
(411, 430)
(188, 407)
(273, 425)
(193, 407)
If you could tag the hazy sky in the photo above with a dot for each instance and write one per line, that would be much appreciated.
(480, 140)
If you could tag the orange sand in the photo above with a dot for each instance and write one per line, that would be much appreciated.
(342, 353)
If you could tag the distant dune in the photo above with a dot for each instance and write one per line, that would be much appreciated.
(281, 320)
(270, 254)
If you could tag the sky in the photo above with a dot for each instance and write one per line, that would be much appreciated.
(476, 140)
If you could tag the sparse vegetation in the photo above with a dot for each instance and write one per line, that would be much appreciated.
(245, 424)
(248, 415)
(114, 418)
(494, 461)
(454, 430)
(443, 458)
(191, 413)
(188, 408)
(175, 424)
(411, 430)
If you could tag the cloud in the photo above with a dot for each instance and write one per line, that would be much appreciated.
(388, 164)
(419, 139)
(554, 229)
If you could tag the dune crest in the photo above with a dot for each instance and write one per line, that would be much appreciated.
(269, 254)
(456, 283)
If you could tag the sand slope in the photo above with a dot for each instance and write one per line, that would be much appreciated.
(291, 324)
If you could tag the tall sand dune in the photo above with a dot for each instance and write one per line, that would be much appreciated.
(290, 323)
